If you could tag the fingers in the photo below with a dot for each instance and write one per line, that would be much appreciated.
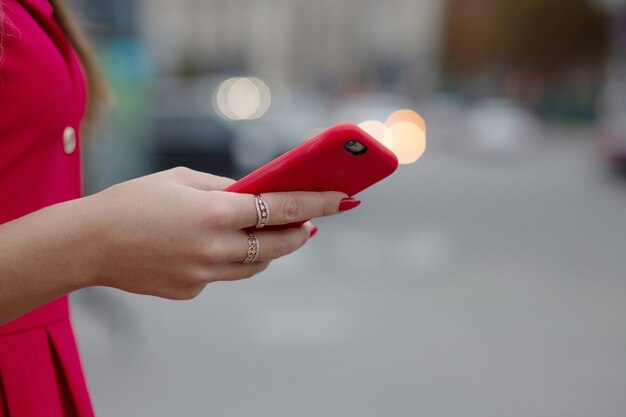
(199, 180)
(273, 244)
(284, 207)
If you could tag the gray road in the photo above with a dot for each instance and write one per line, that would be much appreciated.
(462, 286)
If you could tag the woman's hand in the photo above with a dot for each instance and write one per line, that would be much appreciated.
(166, 234)
(171, 233)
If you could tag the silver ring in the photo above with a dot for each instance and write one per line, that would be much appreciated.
(253, 248)
(262, 211)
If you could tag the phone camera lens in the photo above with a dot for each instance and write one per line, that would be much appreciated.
(355, 147)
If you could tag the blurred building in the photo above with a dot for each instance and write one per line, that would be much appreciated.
(325, 41)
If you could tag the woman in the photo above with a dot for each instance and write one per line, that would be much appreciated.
(166, 234)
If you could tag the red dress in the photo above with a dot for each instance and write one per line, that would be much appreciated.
(42, 100)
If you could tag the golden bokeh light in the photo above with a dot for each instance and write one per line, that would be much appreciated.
(406, 115)
(378, 131)
(408, 141)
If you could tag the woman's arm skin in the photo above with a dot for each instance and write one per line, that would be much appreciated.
(167, 234)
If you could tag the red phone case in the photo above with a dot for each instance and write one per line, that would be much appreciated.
(323, 164)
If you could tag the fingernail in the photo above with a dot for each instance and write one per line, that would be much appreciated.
(313, 231)
(348, 204)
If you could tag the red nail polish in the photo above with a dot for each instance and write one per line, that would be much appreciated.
(313, 231)
(348, 204)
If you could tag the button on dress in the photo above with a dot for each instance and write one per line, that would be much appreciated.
(42, 101)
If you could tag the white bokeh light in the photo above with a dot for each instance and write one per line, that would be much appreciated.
(242, 98)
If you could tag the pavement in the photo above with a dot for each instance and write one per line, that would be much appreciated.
(463, 285)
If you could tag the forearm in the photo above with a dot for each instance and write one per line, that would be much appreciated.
(45, 255)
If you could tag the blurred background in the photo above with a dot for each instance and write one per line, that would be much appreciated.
(486, 279)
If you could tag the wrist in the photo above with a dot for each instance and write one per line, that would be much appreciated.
(86, 238)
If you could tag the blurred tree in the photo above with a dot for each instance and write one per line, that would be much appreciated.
(554, 36)
(527, 49)
(547, 36)
(470, 38)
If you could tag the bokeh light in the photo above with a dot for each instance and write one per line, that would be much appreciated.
(406, 115)
(265, 98)
(220, 99)
(404, 133)
(377, 130)
(242, 98)
(408, 141)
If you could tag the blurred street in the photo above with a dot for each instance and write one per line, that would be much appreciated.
(463, 286)
(487, 279)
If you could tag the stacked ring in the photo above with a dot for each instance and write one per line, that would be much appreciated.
(262, 211)
(253, 248)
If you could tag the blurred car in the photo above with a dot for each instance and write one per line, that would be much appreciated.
(499, 128)
(186, 132)
(197, 142)
(612, 119)
(613, 141)
(190, 129)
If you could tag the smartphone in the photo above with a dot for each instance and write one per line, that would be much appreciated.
(343, 158)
